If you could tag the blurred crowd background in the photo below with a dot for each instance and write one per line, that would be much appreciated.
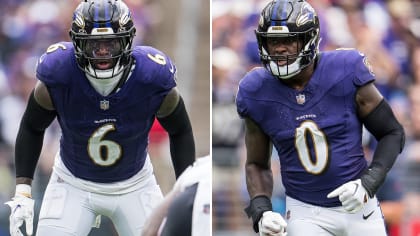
(179, 28)
(387, 31)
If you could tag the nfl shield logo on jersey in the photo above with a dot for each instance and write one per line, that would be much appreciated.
(300, 99)
(104, 104)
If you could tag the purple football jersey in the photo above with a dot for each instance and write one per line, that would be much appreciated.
(104, 138)
(316, 131)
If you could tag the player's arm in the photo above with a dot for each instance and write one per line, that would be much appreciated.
(38, 115)
(173, 117)
(155, 220)
(259, 178)
(379, 119)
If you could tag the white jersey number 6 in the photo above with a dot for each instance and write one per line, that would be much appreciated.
(96, 143)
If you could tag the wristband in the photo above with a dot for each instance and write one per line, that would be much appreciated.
(372, 180)
(257, 206)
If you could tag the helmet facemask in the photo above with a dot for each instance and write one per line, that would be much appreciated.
(288, 63)
(103, 57)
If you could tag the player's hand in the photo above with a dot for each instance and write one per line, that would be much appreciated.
(272, 224)
(22, 210)
(352, 195)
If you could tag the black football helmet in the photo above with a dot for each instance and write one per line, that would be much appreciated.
(102, 32)
(288, 20)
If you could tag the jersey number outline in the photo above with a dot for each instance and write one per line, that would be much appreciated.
(320, 145)
(97, 142)
(159, 59)
(54, 47)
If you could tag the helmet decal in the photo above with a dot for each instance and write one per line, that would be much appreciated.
(306, 15)
(261, 21)
(80, 22)
(125, 18)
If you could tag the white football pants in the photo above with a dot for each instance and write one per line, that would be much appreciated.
(70, 211)
(309, 220)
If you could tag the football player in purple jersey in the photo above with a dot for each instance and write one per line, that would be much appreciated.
(311, 106)
(105, 94)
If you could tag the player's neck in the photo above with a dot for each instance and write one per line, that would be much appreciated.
(104, 86)
(300, 80)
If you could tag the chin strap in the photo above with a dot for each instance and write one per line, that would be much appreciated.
(125, 75)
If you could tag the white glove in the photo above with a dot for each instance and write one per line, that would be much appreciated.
(352, 195)
(272, 224)
(22, 209)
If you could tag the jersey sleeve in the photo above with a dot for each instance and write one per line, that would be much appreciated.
(363, 73)
(155, 72)
(157, 68)
(248, 88)
(52, 66)
(241, 106)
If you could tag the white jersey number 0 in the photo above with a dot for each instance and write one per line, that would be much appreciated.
(312, 165)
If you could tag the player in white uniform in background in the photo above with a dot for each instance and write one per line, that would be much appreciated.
(186, 209)
(105, 95)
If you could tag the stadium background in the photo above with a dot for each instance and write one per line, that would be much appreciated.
(179, 28)
(387, 31)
